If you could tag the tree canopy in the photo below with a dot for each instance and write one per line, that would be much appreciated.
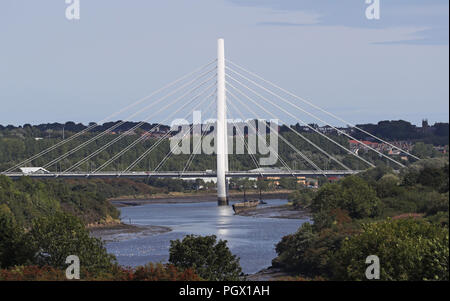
(211, 259)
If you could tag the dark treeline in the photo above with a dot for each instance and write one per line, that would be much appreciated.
(437, 134)
(55, 129)
(394, 130)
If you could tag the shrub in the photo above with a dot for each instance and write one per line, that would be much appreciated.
(408, 250)
(309, 252)
(14, 246)
(352, 194)
(160, 272)
(32, 273)
(58, 236)
(149, 272)
(211, 259)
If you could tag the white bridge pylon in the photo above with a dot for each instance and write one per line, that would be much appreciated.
(210, 84)
(222, 144)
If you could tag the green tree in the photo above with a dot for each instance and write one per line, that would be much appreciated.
(303, 197)
(262, 185)
(408, 250)
(435, 178)
(14, 247)
(60, 235)
(292, 248)
(352, 194)
(288, 183)
(211, 259)
(423, 150)
(309, 251)
(388, 186)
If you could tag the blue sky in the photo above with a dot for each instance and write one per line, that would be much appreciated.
(55, 70)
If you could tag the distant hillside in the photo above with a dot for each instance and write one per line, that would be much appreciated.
(437, 134)
(20, 143)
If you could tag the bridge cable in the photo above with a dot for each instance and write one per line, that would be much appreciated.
(194, 150)
(297, 133)
(40, 154)
(122, 122)
(169, 154)
(252, 156)
(147, 152)
(65, 155)
(140, 158)
(278, 155)
(323, 110)
(130, 131)
(310, 114)
(312, 128)
(142, 137)
(255, 161)
(259, 138)
(286, 141)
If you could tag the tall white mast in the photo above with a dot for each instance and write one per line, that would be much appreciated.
(222, 152)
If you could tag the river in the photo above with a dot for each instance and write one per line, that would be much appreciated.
(252, 239)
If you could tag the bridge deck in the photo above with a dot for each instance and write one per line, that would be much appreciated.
(191, 174)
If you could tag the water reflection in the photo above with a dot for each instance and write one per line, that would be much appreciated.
(251, 239)
(223, 221)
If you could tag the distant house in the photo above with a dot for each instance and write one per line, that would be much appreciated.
(368, 143)
(394, 152)
(356, 145)
(334, 179)
(33, 170)
(301, 180)
(274, 180)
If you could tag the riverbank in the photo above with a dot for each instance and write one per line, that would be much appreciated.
(283, 211)
(121, 231)
(178, 198)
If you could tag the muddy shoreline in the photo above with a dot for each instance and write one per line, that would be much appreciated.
(192, 198)
(283, 211)
(121, 231)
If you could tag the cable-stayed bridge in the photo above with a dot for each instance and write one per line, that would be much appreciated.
(220, 89)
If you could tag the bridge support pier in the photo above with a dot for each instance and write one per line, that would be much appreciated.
(221, 142)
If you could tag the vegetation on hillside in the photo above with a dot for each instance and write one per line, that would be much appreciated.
(29, 199)
(49, 241)
(402, 218)
(40, 254)
(19, 143)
